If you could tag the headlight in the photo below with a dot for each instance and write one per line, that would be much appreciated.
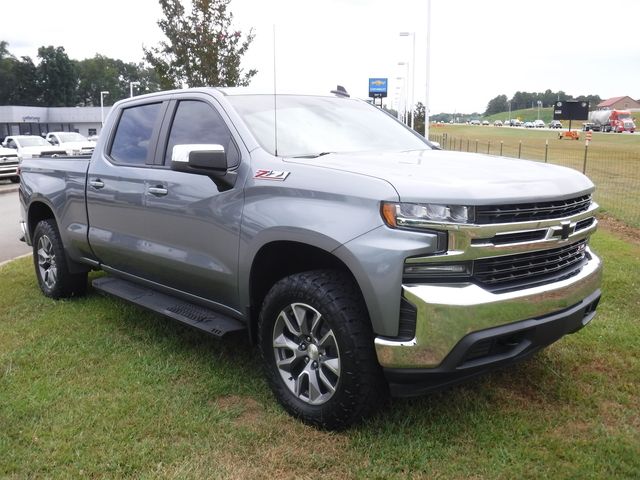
(423, 215)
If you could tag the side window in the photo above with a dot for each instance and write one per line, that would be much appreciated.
(133, 134)
(12, 144)
(198, 123)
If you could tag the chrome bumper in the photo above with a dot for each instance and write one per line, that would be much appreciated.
(448, 312)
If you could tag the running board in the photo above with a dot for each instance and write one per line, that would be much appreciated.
(195, 316)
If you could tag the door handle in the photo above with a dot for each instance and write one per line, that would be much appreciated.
(97, 184)
(158, 191)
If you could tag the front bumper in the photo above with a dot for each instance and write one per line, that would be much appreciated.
(447, 314)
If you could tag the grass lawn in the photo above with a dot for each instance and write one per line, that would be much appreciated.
(613, 160)
(97, 388)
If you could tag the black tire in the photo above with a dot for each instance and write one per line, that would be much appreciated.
(50, 262)
(360, 388)
(15, 179)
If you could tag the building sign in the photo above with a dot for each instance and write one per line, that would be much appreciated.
(564, 110)
(377, 87)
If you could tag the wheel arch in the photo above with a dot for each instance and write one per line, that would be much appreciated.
(278, 259)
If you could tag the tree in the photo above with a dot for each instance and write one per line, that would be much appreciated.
(201, 48)
(104, 73)
(497, 105)
(18, 79)
(418, 119)
(56, 77)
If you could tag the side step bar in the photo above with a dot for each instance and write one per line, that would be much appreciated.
(195, 316)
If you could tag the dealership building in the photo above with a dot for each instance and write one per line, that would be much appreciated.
(19, 120)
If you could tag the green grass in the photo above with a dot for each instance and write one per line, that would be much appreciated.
(613, 160)
(96, 388)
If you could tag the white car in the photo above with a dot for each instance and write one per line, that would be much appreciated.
(539, 124)
(32, 146)
(72, 142)
(9, 164)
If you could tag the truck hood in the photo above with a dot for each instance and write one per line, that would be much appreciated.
(439, 176)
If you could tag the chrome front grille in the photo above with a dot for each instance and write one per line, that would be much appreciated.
(526, 270)
(527, 212)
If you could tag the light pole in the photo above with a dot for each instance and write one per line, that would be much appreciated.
(131, 84)
(408, 106)
(404, 87)
(426, 100)
(539, 105)
(413, 71)
(102, 94)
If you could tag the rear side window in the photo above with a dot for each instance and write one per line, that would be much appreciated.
(199, 123)
(133, 135)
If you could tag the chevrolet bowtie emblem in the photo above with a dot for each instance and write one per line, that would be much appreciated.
(565, 230)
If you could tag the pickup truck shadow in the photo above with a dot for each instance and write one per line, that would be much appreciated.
(530, 385)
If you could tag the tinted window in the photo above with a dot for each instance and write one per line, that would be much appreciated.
(131, 143)
(198, 123)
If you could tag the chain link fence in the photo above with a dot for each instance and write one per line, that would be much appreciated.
(616, 173)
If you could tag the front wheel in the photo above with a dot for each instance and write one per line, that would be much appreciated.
(50, 263)
(317, 348)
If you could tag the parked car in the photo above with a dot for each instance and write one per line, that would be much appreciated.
(30, 146)
(539, 124)
(528, 125)
(358, 259)
(9, 164)
(555, 124)
(485, 122)
(474, 122)
(72, 142)
(497, 123)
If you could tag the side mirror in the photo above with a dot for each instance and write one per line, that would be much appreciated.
(203, 159)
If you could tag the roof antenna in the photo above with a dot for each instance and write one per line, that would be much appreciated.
(340, 91)
(275, 104)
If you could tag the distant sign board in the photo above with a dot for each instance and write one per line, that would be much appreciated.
(378, 87)
(563, 110)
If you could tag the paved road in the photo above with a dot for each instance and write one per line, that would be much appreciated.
(10, 231)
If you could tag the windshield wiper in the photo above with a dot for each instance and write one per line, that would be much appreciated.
(313, 155)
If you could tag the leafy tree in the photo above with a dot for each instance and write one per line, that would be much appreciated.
(56, 77)
(18, 79)
(201, 48)
(103, 73)
(418, 119)
(497, 105)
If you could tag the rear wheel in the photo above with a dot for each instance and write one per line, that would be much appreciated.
(50, 263)
(317, 347)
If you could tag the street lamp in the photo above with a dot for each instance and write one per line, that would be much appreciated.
(413, 71)
(102, 94)
(404, 103)
(539, 105)
(408, 104)
(426, 100)
(131, 84)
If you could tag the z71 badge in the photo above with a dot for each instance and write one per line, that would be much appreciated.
(271, 175)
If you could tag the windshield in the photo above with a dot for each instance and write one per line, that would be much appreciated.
(310, 126)
(71, 137)
(32, 142)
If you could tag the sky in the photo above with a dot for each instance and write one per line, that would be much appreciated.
(479, 48)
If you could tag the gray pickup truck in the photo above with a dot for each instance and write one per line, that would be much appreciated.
(359, 258)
